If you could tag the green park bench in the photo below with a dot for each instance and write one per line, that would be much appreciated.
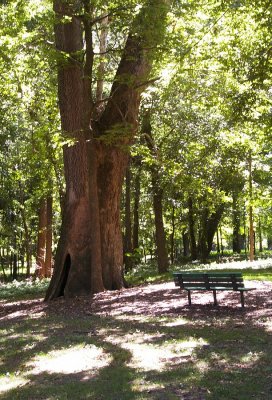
(211, 281)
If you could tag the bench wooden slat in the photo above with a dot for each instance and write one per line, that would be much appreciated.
(224, 279)
(211, 282)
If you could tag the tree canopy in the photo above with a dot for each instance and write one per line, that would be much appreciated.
(78, 80)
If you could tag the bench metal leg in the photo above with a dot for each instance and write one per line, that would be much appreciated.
(189, 297)
(242, 298)
(214, 298)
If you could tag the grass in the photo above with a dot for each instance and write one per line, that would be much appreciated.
(256, 270)
(65, 350)
(215, 360)
(27, 289)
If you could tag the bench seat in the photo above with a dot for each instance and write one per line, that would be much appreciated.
(215, 281)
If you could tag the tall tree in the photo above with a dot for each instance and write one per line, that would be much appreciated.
(89, 257)
(162, 255)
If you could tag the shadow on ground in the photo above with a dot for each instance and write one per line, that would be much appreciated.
(140, 343)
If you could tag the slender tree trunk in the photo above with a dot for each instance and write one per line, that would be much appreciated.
(245, 233)
(41, 245)
(191, 224)
(212, 225)
(128, 230)
(221, 240)
(260, 236)
(27, 242)
(203, 238)
(217, 242)
(251, 223)
(186, 243)
(159, 231)
(15, 266)
(48, 253)
(236, 243)
(172, 236)
(136, 206)
(101, 67)
(157, 199)
(3, 261)
(208, 229)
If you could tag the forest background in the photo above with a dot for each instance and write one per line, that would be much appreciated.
(199, 176)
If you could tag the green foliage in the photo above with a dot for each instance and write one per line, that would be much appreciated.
(211, 107)
(27, 289)
(30, 152)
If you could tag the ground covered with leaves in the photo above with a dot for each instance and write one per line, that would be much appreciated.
(139, 343)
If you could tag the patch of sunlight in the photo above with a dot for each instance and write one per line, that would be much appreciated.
(177, 322)
(191, 343)
(256, 264)
(251, 357)
(268, 325)
(72, 360)
(11, 382)
(202, 366)
(149, 357)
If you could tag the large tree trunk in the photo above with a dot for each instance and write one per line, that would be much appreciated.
(78, 259)
(110, 178)
(89, 256)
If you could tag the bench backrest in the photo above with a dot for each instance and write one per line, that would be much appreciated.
(209, 280)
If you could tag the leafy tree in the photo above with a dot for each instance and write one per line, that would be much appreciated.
(90, 256)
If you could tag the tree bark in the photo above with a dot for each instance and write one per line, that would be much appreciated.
(162, 255)
(236, 242)
(41, 245)
(49, 237)
(260, 235)
(191, 224)
(209, 224)
(251, 221)
(101, 67)
(89, 256)
(172, 236)
(128, 229)
(137, 191)
(186, 243)
(27, 242)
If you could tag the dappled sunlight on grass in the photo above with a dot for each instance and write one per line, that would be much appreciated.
(177, 322)
(143, 343)
(154, 357)
(72, 360)
(9, 382)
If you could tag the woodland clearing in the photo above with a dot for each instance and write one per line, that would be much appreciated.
(140, 343)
